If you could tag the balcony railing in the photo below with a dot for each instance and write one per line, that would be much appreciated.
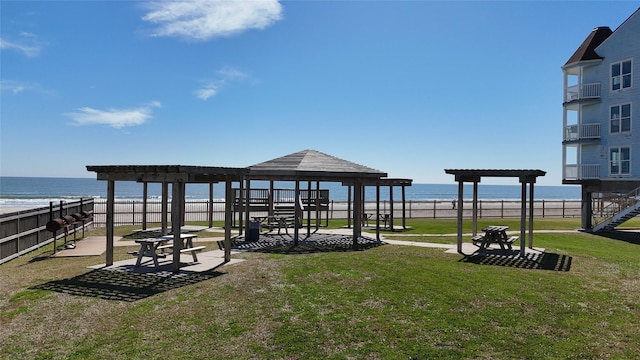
(584, 131)
(581, 172)
(586, 91)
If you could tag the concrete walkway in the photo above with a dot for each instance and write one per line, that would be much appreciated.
(213, 258)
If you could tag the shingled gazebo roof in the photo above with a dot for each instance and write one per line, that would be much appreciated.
(312, 165)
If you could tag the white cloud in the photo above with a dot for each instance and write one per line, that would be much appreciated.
(116, 118)
(206, 91)
(12, 86)
(18, 87)
(207, 19)
(28, 45)
(225, 75)
(231, 73)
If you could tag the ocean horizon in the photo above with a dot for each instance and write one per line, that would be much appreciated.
(40, 191)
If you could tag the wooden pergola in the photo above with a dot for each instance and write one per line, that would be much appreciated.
(525, 177)
(177, 176)
(314, 166)
(386, 182)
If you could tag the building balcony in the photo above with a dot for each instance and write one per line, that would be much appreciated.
(581, 172)
(581, 92)
(582, 132)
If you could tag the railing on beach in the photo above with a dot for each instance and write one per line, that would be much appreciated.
(25, 231)
(131, 212)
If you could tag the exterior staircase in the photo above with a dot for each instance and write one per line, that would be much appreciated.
(618, 211)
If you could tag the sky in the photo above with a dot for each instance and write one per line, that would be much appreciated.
(406, 87)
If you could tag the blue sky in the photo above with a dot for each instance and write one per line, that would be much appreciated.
(407, 87)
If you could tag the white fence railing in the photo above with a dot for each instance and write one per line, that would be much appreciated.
(131, 212)
(586, 91)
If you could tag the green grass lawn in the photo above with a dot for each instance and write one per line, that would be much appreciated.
(388, 302)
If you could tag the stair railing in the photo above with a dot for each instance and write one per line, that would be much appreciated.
(616, 206)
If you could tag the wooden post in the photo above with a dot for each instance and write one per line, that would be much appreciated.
(210, 205)
(177, 213)
(391, 207)
(165, 208)
(144, 205)
(531, 206)
(357, 215)
(523, 216)
(378, 210)
(228, 194)
(404, 208)
(475, 208)
(297, 212)
(309, 208)
(460, 206)
(349, 206)
(247, 208)
(110, 220)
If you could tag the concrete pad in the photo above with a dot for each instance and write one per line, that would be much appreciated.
(89, 246)
(420, 244)
(207, 261)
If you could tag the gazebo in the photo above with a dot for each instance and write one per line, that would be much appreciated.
(314, 166)
(304, 166)
(177, 176)
(525, 177)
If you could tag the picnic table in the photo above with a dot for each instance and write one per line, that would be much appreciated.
(385, 218)
(494, 235)
(272, 222)
(150, 246)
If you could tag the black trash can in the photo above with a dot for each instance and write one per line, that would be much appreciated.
(254, 231)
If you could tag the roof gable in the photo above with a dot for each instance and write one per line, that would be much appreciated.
(312, 163)
(631, 24)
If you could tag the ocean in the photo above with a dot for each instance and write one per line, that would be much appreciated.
(39, 191)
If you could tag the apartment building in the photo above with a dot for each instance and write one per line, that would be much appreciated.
(601, 124)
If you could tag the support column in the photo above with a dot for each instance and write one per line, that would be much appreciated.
(587, 209)
(296, 217)
(228, 215)
(247, 208)
(165, 208)
(531, 209)
(523, 218)
(110, 220)
(144, 205)
(404, 208)
(348, 206)
(357, 214)
(475, 208)
(309, 208)
(177, 213)
(378, 211)
(210, 205)
(460, 207)
(391, 207)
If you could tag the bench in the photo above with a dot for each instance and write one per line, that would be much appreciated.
(510, 241)
(477, 239)
(192, 250)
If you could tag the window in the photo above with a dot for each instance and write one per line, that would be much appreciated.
(620, 161)
(620, 118)
(621, 75)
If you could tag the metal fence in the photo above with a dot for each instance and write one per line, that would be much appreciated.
(24, 231)
(131, 212)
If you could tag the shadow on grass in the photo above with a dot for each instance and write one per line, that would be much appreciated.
(632, 237)
(123, 285)
(316, 243)
(542, 261)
